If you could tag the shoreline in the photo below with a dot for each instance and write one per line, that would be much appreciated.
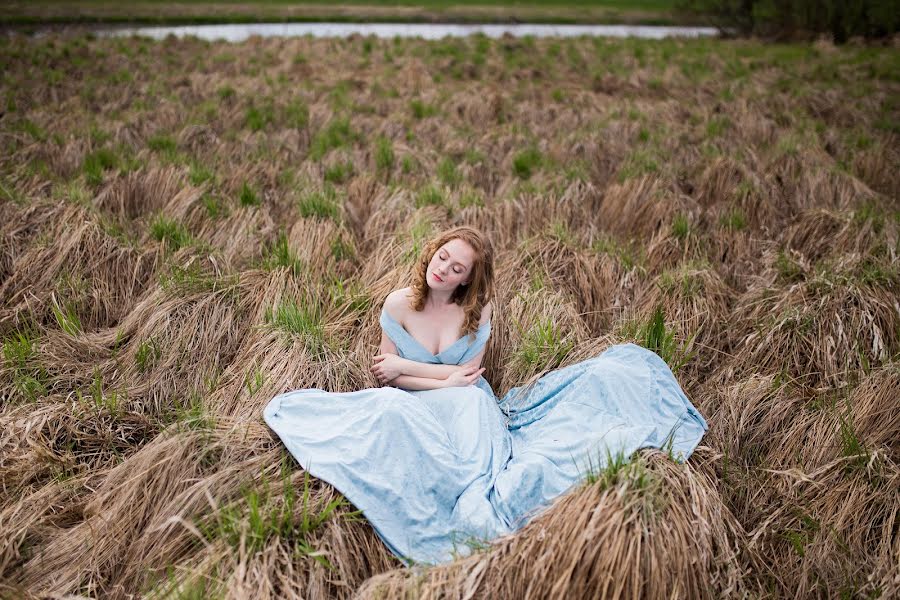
(23, 16)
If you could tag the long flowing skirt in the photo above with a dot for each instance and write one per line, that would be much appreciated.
(436, 472)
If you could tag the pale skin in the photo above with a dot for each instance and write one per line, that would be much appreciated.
(436, 326)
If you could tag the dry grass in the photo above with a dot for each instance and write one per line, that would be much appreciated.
(189, 228)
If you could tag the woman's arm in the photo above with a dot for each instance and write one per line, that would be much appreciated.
(408, 368)
(460, 378)
(419, 369)
(408, 382)
(415, 368)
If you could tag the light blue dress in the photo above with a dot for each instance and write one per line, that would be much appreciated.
(438, 472)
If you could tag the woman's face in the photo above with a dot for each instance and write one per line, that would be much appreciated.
(451, 265)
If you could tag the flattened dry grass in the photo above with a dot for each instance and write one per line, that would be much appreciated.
(190, 228)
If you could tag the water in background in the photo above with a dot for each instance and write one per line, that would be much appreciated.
(428, 31)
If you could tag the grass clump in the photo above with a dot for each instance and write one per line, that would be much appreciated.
(641, 161)
(263, 515)
(544, 345)
(280, 255)
(419, 234)
(802, 534)
(351, 294)
(296, 114)
(163, 144)
(686, 279)
(303, 320)
(248, 196)
(408, 165)
(191, 278)
(654, 335)
(342, 250)
(226, 92)
(258, 117)
(66, 317)
(214, 206)
(320, 204)
(101, 398)
(200, 174)
(734, 219)
(170, 232)
(29, 380)
(147, 354)
(681, 227)
(614, 468)
(787, 268)
(96, 163)
(384, 155)
(430, 195)
(336, 134)
(852, 447)
(339, 172)
(448, 173)
(526, 162)
(628, 254)
(869, 212)
(421, 110)
(471, 198)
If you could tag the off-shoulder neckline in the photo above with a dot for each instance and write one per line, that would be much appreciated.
(422, 346)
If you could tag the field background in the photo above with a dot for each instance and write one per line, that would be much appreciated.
(650, 12)
(189, 228)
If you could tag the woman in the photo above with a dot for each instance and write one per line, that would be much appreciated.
(434, 461)
(450, 295)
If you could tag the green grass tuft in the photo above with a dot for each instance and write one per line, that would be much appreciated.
(304, 321)
(248, 196)
(29, 379)
(339, 172)
(420, 110)
(543, 346)
(448, 173)
(429, 195)
(336, 134)
(67, 318)
(169, 231)
(526, 162)
(681, 227)
(262, 516)
(320, 204)
(280, 255)
(384, 155)
(734, 219)
(163, 144)
(96, 163)
(654, 335)
(148, 353)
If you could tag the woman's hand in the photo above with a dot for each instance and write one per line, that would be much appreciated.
(386, 367)
(463, 377)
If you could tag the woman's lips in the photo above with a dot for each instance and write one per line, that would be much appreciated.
(435, 275)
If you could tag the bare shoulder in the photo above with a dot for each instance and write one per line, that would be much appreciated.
(486, 312)
(397, 303)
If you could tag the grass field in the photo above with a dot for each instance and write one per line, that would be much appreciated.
(189, 228)
(43, 12)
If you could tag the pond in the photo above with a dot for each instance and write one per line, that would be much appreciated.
(429, 31)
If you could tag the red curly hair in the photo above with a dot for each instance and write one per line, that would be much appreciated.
(472, 296)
